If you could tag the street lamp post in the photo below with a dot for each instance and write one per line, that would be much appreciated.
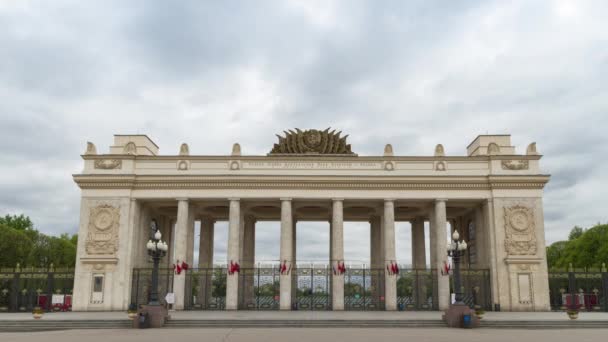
(456, 250)
(156, 249)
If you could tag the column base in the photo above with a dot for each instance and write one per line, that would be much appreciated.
(157, 316)
(453, 316)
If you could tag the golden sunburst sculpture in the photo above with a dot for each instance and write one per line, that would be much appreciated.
(312, 141)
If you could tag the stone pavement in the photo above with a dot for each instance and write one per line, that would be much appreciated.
(310, 315)
(310, 334)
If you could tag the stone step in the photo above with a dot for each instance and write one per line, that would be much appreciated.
(303, 323)
(48, 325)
(565, 324)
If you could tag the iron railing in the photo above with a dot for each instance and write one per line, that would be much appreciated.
(22, 289)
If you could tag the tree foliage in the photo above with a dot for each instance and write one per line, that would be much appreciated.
(21, 243)
(584, 248)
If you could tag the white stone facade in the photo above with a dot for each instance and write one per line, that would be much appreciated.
(492, 188)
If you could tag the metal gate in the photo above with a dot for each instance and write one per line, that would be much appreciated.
(206, 289)
(21, 289)
(415, 289)
(313, 288)
(259, 288)
(141, 284)
(363, 289)
(476, 288)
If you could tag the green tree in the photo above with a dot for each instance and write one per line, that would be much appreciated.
(575, 233)
(16, 246)
(584, 248)
(20, 222)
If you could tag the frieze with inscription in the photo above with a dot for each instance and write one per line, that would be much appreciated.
(304, 165)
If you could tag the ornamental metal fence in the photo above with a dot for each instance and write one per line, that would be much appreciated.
(22, 289)
(415, 289)
(586, 288)
(141, 284)
(475, 287)
(206, 288)
(312, 288)
(259, 288)
(363, 289)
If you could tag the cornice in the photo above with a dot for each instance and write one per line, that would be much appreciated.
(311, 182)
(323, 158)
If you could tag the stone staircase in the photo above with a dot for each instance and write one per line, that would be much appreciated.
(31, 325)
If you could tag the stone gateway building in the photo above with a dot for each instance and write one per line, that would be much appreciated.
(492, 196)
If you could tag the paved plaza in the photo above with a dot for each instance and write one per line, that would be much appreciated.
(311, 334)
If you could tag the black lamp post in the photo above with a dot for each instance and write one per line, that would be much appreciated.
(156, 249)
(456, 250)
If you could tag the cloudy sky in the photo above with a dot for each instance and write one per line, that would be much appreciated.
(211, 73)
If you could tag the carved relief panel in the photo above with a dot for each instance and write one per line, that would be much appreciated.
(520, 232)
(102, 237)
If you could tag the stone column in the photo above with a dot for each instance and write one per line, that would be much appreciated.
(390, 280)
(286, 253)
(249, 260)
(419, 260)
(205, 257)
(293, 273)
(418, 244)
(337, 249)
(234, 248)
(440, 250)
(375, 253)
(180, 247)
(190, 252)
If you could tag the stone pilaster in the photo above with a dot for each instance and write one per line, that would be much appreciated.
(337, 257)
(181, 245)
(286, 253)
(390, 280)
(488, 213)
(440, 243)
(234, 251)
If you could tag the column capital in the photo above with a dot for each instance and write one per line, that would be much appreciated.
(389, 200)
(181, 199)
(231, 199)
(337, 199)
(441, 200)
(285, 199)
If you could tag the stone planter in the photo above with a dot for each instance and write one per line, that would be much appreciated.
(37, 315)
(572, 314)
(132, 314)
(479, 313)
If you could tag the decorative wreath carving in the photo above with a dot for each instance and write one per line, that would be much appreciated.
(102, 237)
(515, 164)
(108, 164)
(311, 141)
(520, 232)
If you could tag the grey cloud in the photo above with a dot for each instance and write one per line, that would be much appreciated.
(413, 74)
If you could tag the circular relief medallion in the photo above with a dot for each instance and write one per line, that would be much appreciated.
(104, 219)
(312, 138)
(519, 221)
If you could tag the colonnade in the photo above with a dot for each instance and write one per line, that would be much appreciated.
(241, 249)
